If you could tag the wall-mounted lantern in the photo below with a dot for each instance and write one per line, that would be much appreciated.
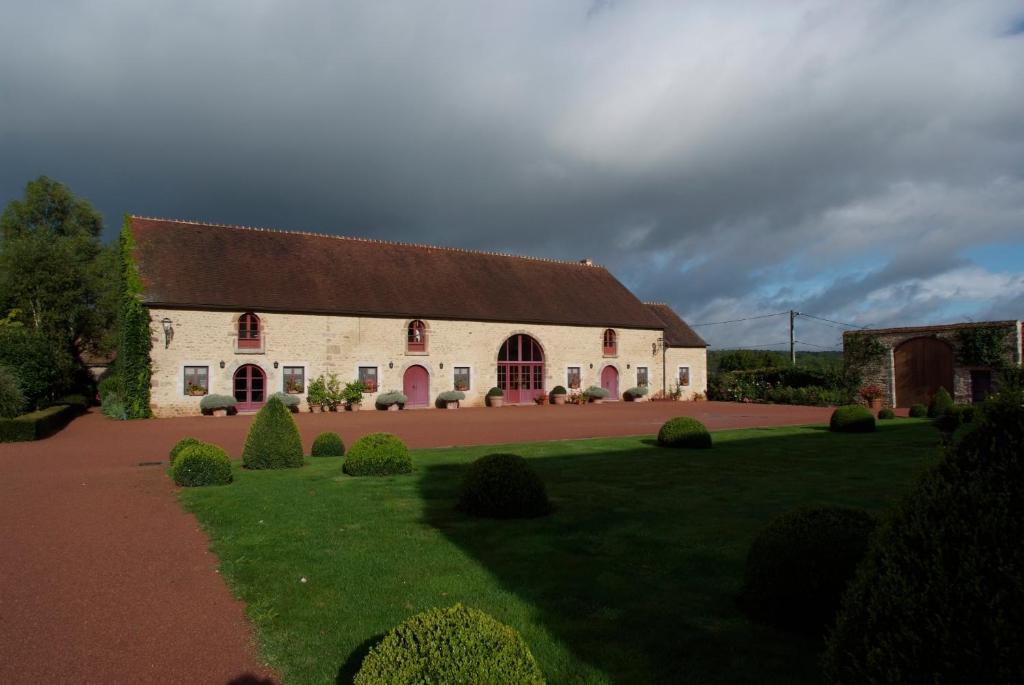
(275, 365)
(222, 363)
(391, 365)
(168, 331)
(441, 365)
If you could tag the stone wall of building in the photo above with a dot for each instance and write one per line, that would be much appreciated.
(882, 371)
(341, 344)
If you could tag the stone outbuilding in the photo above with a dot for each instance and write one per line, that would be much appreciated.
(249, 312)
(911, 364)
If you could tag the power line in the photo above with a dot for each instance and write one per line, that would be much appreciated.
(822, 318)
(757, 347)
(824, 347)
(749, 318)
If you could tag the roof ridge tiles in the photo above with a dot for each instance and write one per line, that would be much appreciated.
(380, 241)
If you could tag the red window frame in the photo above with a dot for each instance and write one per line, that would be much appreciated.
(289, 374)
(369, 378)
(573, 377)
(250, 334)
(641, 377)
(610, 342)
(416, 336)
(196, 376)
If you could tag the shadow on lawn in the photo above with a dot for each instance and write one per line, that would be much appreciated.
(638, 568)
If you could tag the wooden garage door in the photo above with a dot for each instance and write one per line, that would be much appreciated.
(923, 365)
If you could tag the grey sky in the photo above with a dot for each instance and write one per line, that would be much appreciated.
(862, 161)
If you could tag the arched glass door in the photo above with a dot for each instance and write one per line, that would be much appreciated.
(250, 385)
(521, 369)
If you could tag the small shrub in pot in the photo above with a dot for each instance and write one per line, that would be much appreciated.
(595, 393)
(213, 403)
(495, 397)
(637, 393)
(451, 398)
(288, 400)
(391, 399)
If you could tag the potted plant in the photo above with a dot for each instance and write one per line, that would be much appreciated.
(289, 401)
(872, 394)
(541, 399)
(217, 405)
(316, 394)
(495, 397)
(558, 395)
(596, 394)
(333, 398)
(195, 390)
(637, 394)
(352, 395)
(293, 387)
(451, 398)
(392, 400)
(462, 386)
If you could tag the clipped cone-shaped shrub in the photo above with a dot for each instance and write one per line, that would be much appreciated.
(181, 445)
(800, 564)
(453, 645)
(273, 441)
(328, 444)
(377, 454)
(503, 486)
(684, 431)
(853, 418)
(940, 596)
(940, 404)
(918, 411)
(201, 464)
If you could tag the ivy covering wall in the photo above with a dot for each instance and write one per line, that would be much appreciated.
(983, 346)
(133, 361)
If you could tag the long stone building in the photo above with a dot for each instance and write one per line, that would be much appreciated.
(248, 312)
(910, 364)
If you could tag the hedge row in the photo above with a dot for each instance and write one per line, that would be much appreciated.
(38, 424)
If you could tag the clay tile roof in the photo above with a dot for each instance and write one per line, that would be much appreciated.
(924, 330)
(200, 265)
(677, 332)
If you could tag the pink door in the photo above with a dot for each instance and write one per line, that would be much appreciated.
(610, 381)
(250, 387)
(521, 369)
(416, 386)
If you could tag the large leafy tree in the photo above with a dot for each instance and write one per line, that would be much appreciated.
(53, 268)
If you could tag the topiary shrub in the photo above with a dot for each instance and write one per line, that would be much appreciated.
(596, 392)
(181, 445)
(918, 411)
(290, 401)
(495, 392)
(453, 645)
(558, 390)
(953, 418)
(940, 404)
(273, 441)
(853, 418)
(201, 464)
(12, 399)
(503, 486)
(391, 397)
(800, 564)
(211, 402)
(940, 596)
(377, 454)
(886, 414)
(684, 431)
(639, 391)
(451, 396)
(328, 445)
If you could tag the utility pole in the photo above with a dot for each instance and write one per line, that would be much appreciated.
(792, 336)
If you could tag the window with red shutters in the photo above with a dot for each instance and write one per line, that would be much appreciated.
(249, 333)
(609, 342)
(416, 337)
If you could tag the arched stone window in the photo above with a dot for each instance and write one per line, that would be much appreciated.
(249, 332)
(610, 342)
(416, 337)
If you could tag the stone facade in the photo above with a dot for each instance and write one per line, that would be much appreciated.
(341, 344)
(882, 371)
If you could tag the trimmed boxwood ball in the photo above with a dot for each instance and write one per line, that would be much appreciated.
(328, 444)
(377, 454)
(273, 441)
(181, 445)
(886, 414)
(453, 645)
(201, 464)
(853, 418)
(495, 392)
(503, 486)
(918, 411)
(940, 596)
(800, 564)
(940, 404)
(684, 431)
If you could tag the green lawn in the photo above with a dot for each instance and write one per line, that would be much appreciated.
(632, 579)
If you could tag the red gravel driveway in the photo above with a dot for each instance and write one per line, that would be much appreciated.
(105, 579)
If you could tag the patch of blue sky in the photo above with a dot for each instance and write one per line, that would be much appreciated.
(998, 256)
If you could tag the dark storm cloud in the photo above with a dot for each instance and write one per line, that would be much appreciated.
(730, 158)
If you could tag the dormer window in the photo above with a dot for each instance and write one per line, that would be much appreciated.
(249, 333)
(610, 343)
(416, 336)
